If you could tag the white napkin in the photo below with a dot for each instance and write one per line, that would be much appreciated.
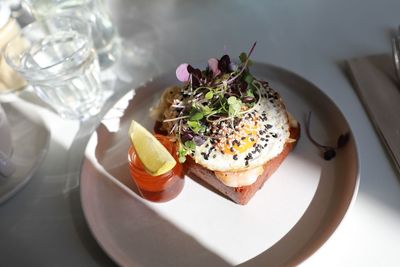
(379, 90)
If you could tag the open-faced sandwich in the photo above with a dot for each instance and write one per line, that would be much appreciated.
(232, 130)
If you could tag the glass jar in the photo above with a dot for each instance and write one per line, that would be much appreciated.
(9, 79)
(160, 188)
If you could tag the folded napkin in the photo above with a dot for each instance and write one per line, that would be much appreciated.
(379, 90)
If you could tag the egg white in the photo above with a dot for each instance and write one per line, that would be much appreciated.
(277, 117)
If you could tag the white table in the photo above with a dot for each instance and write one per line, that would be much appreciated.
(43, 225)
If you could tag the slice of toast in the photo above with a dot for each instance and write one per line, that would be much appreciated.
(242, 194)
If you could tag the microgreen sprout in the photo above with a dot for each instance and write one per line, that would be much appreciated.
(223, 91)
(329, 152)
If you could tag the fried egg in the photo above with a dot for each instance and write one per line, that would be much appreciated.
(249, 141)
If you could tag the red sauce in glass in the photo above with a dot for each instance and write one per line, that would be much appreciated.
(160, 188)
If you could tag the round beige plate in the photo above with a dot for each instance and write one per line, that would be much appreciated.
(295, 212)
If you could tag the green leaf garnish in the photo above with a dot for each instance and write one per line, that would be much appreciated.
(235, 105)
(198, 115)
(243, 57)
(232, 100)
(196, 126)
(209, 95)
(207, 110)
(249, 78)
(249, 92)
(182, 152)
(190, 145)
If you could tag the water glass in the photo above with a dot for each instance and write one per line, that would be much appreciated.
(56, 56)
(104, 34)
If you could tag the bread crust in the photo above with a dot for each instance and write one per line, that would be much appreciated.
(241, 195)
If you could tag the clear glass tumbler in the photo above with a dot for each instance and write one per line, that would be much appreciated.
(104, 33)
(56, 56)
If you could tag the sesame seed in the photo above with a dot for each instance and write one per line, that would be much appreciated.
(235, 157)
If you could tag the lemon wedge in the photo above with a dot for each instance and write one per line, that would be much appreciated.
(155, 158)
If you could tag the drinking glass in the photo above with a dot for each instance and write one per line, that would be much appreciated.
(104, 34)
(56, 56)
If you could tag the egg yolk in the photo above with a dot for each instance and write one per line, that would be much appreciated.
(250, 138)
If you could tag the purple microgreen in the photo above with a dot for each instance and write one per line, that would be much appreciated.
(223, 64)
(199, 140)
(343, 140)
(233, 66)
(242, 85)
(186, 136)
(248, 99)
(215, 94)
(329, 152)
(308, 122)
(195, 72)
(213, 65)
(182, 73)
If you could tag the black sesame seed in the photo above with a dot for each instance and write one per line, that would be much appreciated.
(246, 163)
(232, 149)
(235, 157)
(269, 126)
(243, 137)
